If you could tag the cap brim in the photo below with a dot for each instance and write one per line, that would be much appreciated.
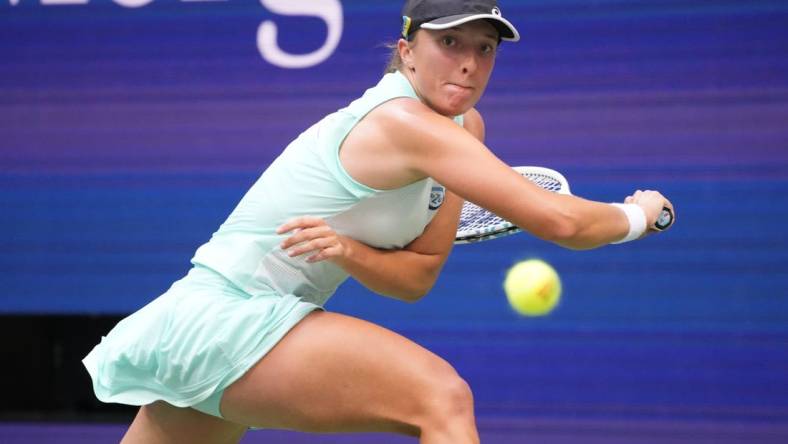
(507, 31)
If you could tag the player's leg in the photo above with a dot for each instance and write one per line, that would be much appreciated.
(334, 373)
(162, 423)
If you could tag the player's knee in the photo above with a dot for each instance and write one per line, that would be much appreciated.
(450, 400)
(459, 397)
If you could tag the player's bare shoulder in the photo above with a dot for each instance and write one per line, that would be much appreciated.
(390, 127)
(401, 139)
(415, 126)
(403, 117)
(377, 150)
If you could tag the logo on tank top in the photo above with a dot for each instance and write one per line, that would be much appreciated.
(436, 197)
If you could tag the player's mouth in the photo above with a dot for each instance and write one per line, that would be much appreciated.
(459, 87)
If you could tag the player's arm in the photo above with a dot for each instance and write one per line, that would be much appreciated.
(432, 145)
(410, 273)
(406, 274)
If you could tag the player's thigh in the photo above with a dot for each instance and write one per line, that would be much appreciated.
(163, 423)
(337, 373)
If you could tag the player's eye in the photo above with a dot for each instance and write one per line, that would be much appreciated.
(448, 40)
(487, 48)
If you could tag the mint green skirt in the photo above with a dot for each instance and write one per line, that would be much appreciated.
(191, 342)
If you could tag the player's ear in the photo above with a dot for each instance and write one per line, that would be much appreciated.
(406, 54)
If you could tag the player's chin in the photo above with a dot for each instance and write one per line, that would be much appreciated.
(456, 106)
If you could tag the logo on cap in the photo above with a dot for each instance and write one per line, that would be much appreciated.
(406, 22)
(496, 11)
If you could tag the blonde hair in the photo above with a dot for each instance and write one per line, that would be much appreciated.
(395, 61)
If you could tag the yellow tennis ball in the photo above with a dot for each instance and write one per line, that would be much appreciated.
(532, 287)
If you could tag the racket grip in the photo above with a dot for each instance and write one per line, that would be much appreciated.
(665, 219)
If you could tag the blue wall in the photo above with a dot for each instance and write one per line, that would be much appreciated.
(128, 134)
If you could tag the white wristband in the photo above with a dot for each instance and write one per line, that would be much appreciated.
(637, 221)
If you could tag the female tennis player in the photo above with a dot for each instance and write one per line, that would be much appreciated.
(242, 341)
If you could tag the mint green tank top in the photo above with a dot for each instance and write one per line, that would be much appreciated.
(307, 179)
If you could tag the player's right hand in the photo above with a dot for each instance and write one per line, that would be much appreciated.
(652, 203)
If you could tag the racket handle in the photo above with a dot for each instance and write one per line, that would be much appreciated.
(665, 219)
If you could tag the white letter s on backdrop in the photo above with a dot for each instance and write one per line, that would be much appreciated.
(132, 3)
(330, 11)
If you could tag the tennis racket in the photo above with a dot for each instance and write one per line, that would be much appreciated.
(478, 224)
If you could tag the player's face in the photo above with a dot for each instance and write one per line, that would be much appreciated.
(451, 67)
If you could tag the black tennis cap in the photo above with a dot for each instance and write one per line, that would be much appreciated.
(444, 14)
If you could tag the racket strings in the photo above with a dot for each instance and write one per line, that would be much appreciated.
(546, 182)
(474, 217)
(476, 221)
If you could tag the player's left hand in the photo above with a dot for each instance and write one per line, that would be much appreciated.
(311, 235)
